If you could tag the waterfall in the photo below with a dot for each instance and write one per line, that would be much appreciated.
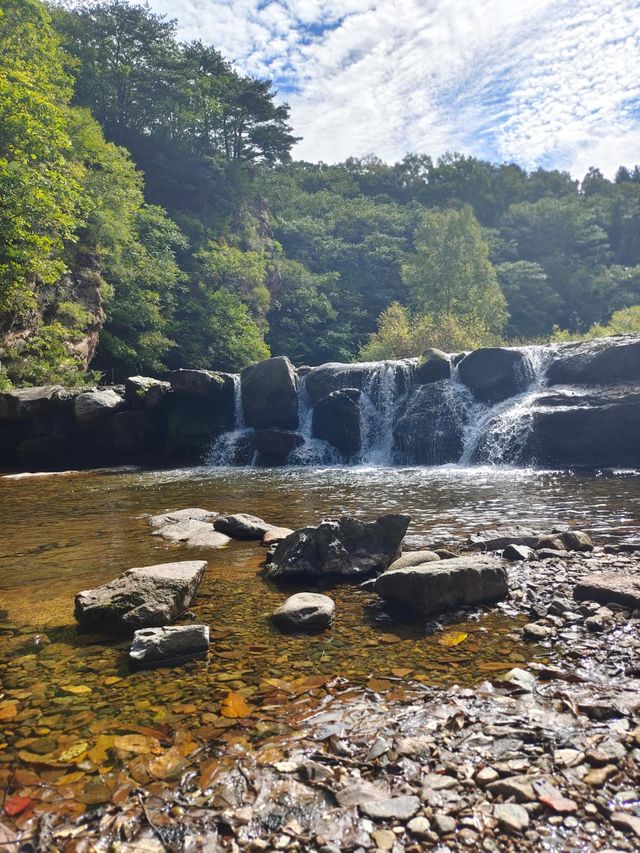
(232, 448)
(383, 393)
(314, 451)
(499, 434)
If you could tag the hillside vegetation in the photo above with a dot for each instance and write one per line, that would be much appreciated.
(151, 217)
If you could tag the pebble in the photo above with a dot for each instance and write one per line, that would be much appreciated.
(511, 817)
(391, 808)
(536, 631)
(599, 775)
(486, 775)
(443, 824)
(419, 826)
(384, 839)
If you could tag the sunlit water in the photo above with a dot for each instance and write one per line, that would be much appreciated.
(63, 533)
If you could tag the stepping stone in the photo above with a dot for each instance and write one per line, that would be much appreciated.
(168, 646)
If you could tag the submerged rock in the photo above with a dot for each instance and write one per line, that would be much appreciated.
(168, 646)
(493, 374)
(413, 558)
(345, 547)
(269, 394)
(150, 596)
(193, 533)
(181, 515)
(306, 612)
(242, 526)
(445, 585)
(336, 419)
(618, 587)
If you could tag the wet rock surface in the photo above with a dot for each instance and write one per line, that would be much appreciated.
(346, 547)
(242, 526)
(150, 596)
(168, 646)
(269, 394)
(305, 612)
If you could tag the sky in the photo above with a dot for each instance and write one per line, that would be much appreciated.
(551, 83)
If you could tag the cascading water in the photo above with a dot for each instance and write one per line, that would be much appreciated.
(227, 449)
(499, 434)
(383, 394)
(314, 451)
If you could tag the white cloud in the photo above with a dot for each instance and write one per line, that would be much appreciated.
(551, 82)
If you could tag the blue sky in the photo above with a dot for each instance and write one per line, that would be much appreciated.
(553, 83)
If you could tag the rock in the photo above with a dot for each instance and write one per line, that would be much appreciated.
(180, 515)
(345, 547)
(497, 540)
(336, 419)
(485, 776)
(576, 540)
(241, 526)
(95, 406)
(518, 787)
(150, 596)
(414, 558)
(193, 533)
(275, 534)
(550, 796)
(133, 431)
(432, 367)
(550, 542)
(626, 822)
(27, 403)
(600, 362)
(203, 384)
(305, 612)
(599, 775)
(269, 395)
(168, 646)
(605, 587)
(445, 553)
(144, 392)
(535, 631)
(494, 374)
(333, 376)
(430, 431)
(445, 585)
(516, 553)
(444, 824)
(358, 793)
(551, 554)
(419, 826)
(519, 680)
(391, 808)
(384, 839)
(275, 445)
(511, 817)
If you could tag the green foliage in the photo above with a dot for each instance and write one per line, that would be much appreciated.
(626, 321)
(401, 335)
(531, 302)
(450, 273)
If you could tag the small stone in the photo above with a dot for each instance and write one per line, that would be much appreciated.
(384, 839)
(511, 817)
(519, 787)
(599, 775)
(391, 808)
(519, 680)
(419, 826)
(535, 631)
(595, 624)
(626, 822)
(576, 540)
(568, 757)
(443, 824)
(306, 612)
(553, 543)
(517, 553)
(486, 776)
(439, 782)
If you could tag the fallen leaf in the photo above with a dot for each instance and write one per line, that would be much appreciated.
(16, 804)
(169, 765)
(8, 711)
(234, 706)
(138, 744)
(379, 685)
(401, 671)
(452, 638)
(74, 752)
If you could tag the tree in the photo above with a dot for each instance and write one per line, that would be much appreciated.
(531, 302)
(450, 272)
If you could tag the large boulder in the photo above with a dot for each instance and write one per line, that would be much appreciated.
(275, 445)
(27, 403)
(334, 376)
(445, 585)
(242, 526)
(493, 374)
(193, 534)
(132, 431)
(434, 366)
(306, 612)
(95, 406)
(597, 429)
(346, 547)
(143, 392)
(168, 646)
(269, 394)
(430, 432)
(601, 362)
(177, 516)
(336, 419)
(145, 597)
(610, 587)
(203, 384)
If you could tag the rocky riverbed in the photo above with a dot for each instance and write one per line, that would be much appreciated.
(542, 756)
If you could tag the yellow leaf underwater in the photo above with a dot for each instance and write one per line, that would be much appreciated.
(235, 706)
(452, 638)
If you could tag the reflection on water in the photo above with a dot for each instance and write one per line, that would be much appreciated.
(59, 534)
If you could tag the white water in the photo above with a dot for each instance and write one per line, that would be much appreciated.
(314, 451)
(499, 434)
(383, 394)
(225, 448)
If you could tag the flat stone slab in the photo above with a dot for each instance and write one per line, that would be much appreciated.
(168, 646)
(242, 526)
(413, 558)
(498, 539)
(306, 612)
(445, 585)
(194, 534)
(181, 515)
(618, 587)
(275, 535)
(150, 596)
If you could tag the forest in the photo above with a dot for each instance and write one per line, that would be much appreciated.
(152, 217)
